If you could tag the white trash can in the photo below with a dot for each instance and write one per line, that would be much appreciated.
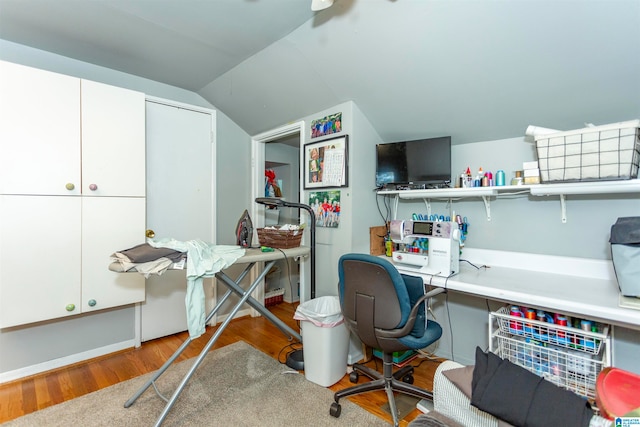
(325, 340)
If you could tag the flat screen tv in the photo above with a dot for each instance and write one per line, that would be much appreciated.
(421, 163)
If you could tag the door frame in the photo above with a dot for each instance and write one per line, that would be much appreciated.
(257, 190)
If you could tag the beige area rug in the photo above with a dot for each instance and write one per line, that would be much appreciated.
(236, 385)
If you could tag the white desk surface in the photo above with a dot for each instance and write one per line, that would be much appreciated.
(577, 287)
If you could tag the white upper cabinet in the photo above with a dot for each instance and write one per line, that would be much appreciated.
(39, 131)
(113, 124)
(61, 135)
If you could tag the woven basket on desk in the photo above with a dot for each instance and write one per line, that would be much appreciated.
(279, 239)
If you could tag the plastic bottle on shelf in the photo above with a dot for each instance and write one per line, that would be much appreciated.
(468, 178)
(478, 180)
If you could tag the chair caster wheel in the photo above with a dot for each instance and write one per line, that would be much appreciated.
(408, 379)
(353, 377)
(335, 409)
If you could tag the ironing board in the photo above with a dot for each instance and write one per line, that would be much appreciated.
(250, 258)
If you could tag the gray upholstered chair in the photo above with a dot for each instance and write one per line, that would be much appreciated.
(387, 311)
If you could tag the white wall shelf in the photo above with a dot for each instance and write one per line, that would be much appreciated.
(485, 193)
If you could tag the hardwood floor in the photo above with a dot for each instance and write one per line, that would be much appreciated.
(30, 394)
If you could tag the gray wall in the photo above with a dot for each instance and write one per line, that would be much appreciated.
(357, 199)
(29, 345)
(521, 224)
(475, 70)
(287, 161)
(529, 224)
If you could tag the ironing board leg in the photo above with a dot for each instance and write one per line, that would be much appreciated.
(175, 355)
(246, 295)
(284, 328)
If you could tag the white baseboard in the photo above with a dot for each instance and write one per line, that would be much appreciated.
(222, 317)
(64, 361)
(86, 355)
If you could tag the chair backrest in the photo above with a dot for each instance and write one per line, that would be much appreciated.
(374, 298)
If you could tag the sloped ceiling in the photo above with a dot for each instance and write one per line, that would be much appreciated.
(476, 70)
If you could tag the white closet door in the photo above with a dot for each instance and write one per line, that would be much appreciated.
(179, 204)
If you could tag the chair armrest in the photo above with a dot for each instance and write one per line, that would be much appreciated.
(408, 326)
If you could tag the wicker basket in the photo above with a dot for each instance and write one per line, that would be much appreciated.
(273, 297)
(279, 239)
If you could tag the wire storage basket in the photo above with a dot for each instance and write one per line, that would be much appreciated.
(279, 239)
(568, 357)
(607, 152)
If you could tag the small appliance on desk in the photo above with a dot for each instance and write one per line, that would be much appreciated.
(429, 247)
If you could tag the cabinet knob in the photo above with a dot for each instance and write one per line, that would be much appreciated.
(92, 303)
(150, 234)
(70, 186)
(93, 187)
(70, 307)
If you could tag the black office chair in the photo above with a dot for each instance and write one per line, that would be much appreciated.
(387, 311)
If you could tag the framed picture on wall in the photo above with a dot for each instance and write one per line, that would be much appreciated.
(326, 125)
(326, 206)
(326, 163)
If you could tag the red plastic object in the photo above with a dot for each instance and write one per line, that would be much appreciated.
(617, 392)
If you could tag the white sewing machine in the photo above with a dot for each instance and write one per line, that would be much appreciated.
(430, 247)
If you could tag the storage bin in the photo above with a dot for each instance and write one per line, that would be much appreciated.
(397, 357)
(551, 333)
(625, 254)
(607, 152)
(568, 357)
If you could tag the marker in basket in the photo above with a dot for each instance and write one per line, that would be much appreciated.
(515, 325)
(529, 314)
(561, 321)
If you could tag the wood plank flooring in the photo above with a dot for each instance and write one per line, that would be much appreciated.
(30, 394)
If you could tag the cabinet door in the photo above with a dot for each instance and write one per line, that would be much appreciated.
(39, 131)
(113, 141)
(110, 224)
(39, 258)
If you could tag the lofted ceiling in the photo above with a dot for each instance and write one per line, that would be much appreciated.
(184, 43)
(473, 69)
